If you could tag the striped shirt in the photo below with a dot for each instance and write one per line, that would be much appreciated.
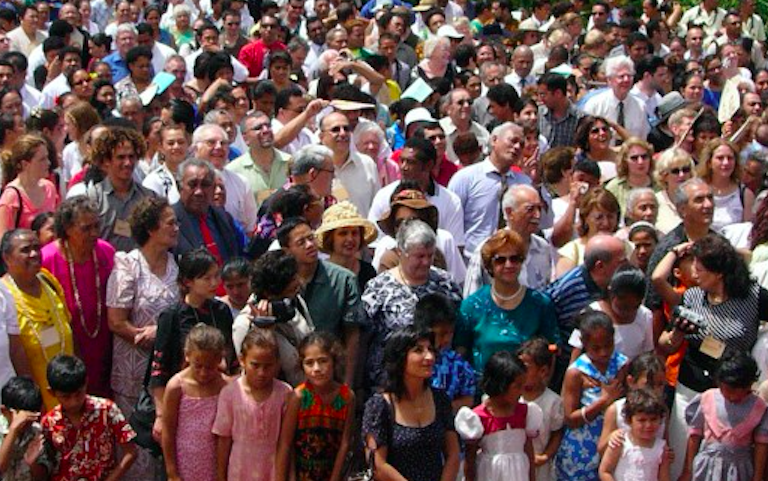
(570, 294)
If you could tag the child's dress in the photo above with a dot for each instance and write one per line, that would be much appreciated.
(195, 443)
(254, 428)
(729, 431)
(638, 463)
(320, 432)
(577, 458)
(502, 440)
(551, 406)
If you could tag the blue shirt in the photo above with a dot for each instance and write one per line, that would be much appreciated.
(117, 65)
(453, 375)
(570, 294)
(479, 188)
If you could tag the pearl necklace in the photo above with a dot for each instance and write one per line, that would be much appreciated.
(25, 313)
(76, 292)
(509, 298)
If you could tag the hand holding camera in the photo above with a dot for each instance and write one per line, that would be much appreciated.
(687, 320)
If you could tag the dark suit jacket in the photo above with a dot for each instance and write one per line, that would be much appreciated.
(228, 238)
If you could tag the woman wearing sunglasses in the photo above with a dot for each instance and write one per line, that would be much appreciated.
(504, 314)
(673, 167)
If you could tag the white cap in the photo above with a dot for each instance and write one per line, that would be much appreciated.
(528, 25)
(449, 31)
(419, 114)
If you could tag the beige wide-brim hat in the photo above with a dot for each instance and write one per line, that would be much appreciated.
(343, 214)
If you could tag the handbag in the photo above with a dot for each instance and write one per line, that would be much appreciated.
(352, 473)
(142, 419)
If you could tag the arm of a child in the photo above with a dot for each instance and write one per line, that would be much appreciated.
(470, 458)
(759, 457)
(609, 426)
(223, 450)
(285, 440)
(129, 456)
(530, 453)
(575, 353)
(694, 442)
(609, 462)
(20, 421)
(171, 402)
(572, 386)
(552, 447)
(666, 464)
(660, 276)
(451, 455)
(338, 464)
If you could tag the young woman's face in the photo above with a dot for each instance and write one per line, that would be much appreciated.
(723, 162)
(529, 114)
(260, 365)
(420, 360)
(317, 365)
(694, 89)
(599, 134)
(39, 164)
(644, 244)
(46, 234)
(12, 104)
(204, 366)
(638, 161)
(82, 85)
(204, 287)
(347, 241)
(677, 175)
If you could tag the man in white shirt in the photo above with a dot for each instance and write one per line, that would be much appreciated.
(522, 64)
(653, 74)
(706, 14)
(160, 52)
(26, 36)
(30, 96)
(210, 142)
(209, 41)
(459, 120)
(70, 60)
(615, 103)
(356, 173)
(294, 113)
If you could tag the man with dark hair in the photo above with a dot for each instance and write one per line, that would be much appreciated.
(70, 60)
(601, 15)
(293, 113)
(658, 36)
(651, 82)
(264, 97)
(502, 99)
(208, 35)
(27, 35)
(252, 55)
(637, 46)
(558, 117)
(160, 52)
(29, 94)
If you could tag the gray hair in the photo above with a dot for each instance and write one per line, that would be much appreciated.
(415, 233)
(297, 43)
(253, 115)
(69, 210)
(174, 58)
(486, 66)
(325, 59)
(432, 42)
(681, 194)
(510, 196)
(503, 128)
(636, 194)
(212, 117)
(128, 99)
(195, 162)
(204, 129)
(613, 64)
(126, 27)
(310, 157)
(181, 9)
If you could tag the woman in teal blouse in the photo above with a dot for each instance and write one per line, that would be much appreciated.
(505, 314)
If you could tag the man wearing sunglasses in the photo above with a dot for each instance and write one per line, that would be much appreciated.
(459, 120)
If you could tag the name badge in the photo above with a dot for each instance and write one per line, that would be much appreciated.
(49, 337)
(122, 228)
(712, 347)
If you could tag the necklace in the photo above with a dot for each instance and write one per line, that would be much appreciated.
(509, 298)
(25, 313)
(76, 292)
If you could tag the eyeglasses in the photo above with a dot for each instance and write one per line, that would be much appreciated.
(464, 102)
(339, 128)
(502, 260)
(678, 170)
(233, 24)
(597, 130)
(199, 184)
(637, 157)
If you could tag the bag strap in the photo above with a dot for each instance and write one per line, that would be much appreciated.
(21, 205)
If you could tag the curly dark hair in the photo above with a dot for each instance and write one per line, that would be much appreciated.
(643, 401)
(273, 273)
(105, 144)
(396, 354)
(69, 210)
(718, 255)
(145, 218)
(581, 139)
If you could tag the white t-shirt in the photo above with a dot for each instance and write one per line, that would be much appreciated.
(8, 327)
(630, 339)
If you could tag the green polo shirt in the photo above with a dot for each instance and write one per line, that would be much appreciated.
(262, 183)
(333, 298)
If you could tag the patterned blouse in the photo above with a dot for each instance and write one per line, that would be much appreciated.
(389, 305)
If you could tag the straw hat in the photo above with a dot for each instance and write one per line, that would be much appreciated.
(343, 214)
(414, 199)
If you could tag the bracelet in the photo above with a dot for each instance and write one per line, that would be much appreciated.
(584, 415)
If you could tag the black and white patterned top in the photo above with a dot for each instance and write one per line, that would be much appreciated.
(734, 322)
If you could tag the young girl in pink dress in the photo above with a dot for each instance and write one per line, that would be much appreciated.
(191, 396)
(502, 427)
(728, 426)
(256, 416)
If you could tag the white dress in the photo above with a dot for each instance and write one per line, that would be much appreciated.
(638, 463)
(551, 406)
(502, 456)
(630, 339)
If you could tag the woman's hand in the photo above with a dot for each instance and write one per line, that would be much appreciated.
(145, 337)
(681, 250)
(157, 429)
(540, 459)
(578, 190)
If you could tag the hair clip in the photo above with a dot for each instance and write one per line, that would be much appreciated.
(36, 112)
(552, 348)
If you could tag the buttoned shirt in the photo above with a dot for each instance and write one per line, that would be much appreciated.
(333, 299)
(262, 182)
(606, 104)
(650, 102)
(559, 132)
(451, 132)
(20, 41)
(478, 186)
(360, 178)
(162, 182)
(516, 81)
(117, 65)
(114, 211)
(754, 28)
(241, 203)
(710, 21)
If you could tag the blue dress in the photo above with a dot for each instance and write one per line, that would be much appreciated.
(577, 459)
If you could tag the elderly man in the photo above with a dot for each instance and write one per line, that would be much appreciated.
(116, 152)
(481, 186)
(210, 142)
(577, 288)
(459, 120)
(522, 65)
(357, 173)
(615, 103)
(522, 208)
(126, 40)
(491, 74)
(264, 168)
(200, 223)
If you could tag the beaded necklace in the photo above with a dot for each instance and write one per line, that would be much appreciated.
(76, 293)
(25, 312)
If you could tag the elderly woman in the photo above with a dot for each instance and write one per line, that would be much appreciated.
(593, 138)
(730, 305)
(342, 235)
(504, 314)
(633, 170)
(82, 263)
(409, 428)
(27, 191)
(371, 141)
(182, 27)
(437, 61)
(390, 298)
(42, 314)
(642, 205)
(673, 167)
(599, 213)
(720, 167)
(139, 63)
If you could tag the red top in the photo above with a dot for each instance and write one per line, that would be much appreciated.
(252, 55)
(491, 423)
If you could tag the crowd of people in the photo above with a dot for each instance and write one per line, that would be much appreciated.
(328, 240)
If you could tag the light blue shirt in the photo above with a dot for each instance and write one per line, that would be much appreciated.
(479, 187)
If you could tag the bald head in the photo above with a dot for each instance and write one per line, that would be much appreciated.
(522, 60)
(603, 255)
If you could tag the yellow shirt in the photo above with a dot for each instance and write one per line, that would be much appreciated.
(44, 328)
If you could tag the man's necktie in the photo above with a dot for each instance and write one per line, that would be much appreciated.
(620, 117)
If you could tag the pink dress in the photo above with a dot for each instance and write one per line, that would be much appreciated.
(254, 428)
(195, 443)
(10, 199)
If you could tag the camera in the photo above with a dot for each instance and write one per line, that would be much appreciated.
(693, 317)
(283, 309)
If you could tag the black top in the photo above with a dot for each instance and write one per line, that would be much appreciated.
(367, 272)
(174, 324)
